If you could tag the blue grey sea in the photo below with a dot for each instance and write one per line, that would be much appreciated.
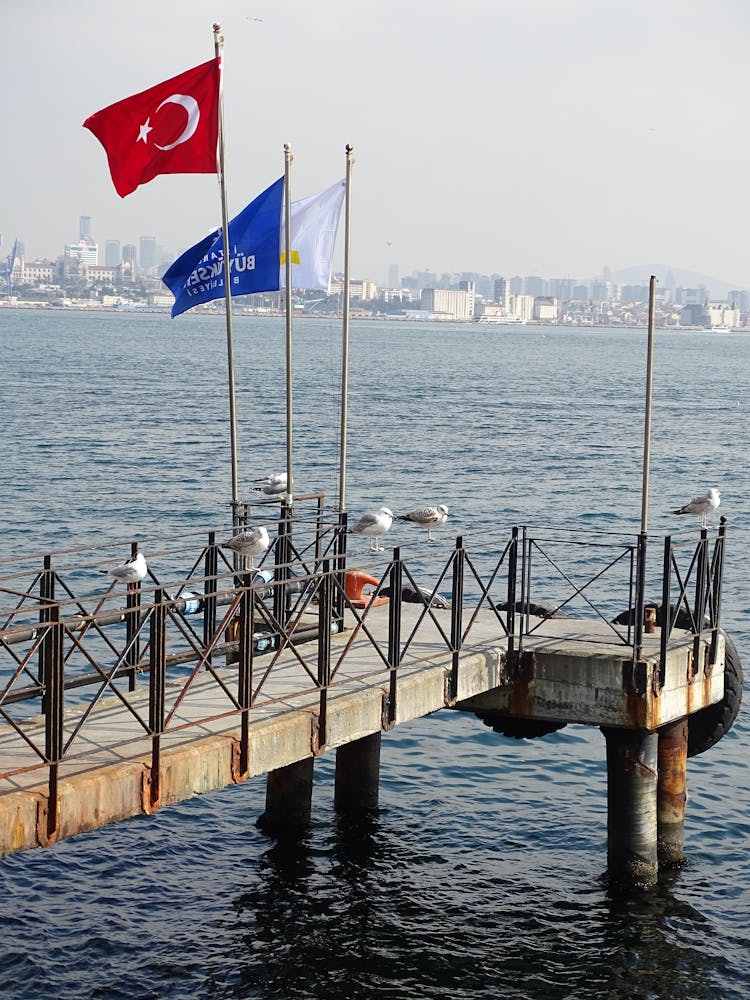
(482, 875)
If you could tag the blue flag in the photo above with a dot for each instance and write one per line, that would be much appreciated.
(255, 250)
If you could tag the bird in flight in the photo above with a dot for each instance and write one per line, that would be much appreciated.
(701, 506)
(427, 517)
(373, 524)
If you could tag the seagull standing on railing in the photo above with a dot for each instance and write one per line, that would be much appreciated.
(373, 524)
(248, 543)
(132, 571)
(271, 486)
(701, 506)
(427, 517)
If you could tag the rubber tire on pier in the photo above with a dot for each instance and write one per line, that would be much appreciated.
(508, 725)
(708, 725)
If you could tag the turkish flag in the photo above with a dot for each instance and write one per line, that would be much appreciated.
(172, 128)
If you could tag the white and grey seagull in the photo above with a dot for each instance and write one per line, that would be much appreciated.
(273, 485)
(132, 571)
(248, 543)
(701, 506)
(427, 517)
(373, 524)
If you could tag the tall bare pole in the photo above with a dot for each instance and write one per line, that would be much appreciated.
(288, 303)
(218, 48)
(647, 422)
(345, 332)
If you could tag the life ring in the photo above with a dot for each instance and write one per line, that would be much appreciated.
(354, 583)
(710, 724)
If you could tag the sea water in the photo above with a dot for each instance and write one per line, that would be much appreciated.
(483, 872)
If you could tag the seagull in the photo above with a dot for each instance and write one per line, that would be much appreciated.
(272, 485)
(373, 524)
(248, 543)
(428, 517)
(132, 571)
(701, 506)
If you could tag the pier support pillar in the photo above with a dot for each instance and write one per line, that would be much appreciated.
(672, 791)
(288, 798)
(631, 805)
(358, 774)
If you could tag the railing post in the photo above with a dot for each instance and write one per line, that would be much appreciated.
(717, 575)
(210, 586)
(132, 623)
(246, 655)
(324, 650)
(281, 567)
(54, 686)
(510, 620)
(640, 596)
(340, 569)
(666, 608)
(157, 689)
(46, 601)
(394, 630)
(457, 595)
(701, 578)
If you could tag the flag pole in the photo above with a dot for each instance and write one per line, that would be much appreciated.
(647, 422)
(345, 335)
(288, 304)
(218, 49)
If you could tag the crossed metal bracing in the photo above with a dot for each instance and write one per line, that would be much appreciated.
(212, 648)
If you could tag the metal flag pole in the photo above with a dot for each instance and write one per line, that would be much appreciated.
(345, 334)
(218, 48)
(288, 304)
(647, 423)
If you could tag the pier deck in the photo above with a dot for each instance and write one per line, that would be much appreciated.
(566, 670)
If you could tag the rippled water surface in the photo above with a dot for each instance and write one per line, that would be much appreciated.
(482, 874)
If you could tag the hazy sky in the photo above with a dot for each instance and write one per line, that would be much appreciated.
(509, 136)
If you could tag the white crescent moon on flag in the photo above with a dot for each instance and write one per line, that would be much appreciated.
(193, 115)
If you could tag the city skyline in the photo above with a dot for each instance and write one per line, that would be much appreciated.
(496, 138)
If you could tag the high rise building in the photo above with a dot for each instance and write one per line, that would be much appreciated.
(148, 254)
(84, 228)
(393, 278)
(112, 253)
(502, 293)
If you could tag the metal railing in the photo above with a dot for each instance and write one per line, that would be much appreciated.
(65, 644)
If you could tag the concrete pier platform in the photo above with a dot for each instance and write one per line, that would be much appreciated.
(569, 670)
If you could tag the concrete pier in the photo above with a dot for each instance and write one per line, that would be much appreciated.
(631, 806)
(672, 791)
(357, 781)
(288, 798)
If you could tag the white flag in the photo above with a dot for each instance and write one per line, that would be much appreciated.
(314, 222)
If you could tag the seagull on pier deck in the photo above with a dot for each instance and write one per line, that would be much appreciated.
(427, 517)
(273, 485)
(701, 506)
(248, 543)
(373, 524)
(132, 571)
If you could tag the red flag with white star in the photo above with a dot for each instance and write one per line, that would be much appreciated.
(172, 128)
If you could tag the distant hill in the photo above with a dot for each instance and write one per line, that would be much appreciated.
(640, 275)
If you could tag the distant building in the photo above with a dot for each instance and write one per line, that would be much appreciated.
(147, 254)
(447, 303)
(545, 308)
(522, 306)
(534, 285)
(502, 293)
(471, 291)
(112, 253)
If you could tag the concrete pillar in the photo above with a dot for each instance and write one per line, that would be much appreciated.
(672, 791)
(631, 805)
(288, 798)
(358, 774)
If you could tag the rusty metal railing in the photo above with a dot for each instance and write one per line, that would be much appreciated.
(66, 642)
